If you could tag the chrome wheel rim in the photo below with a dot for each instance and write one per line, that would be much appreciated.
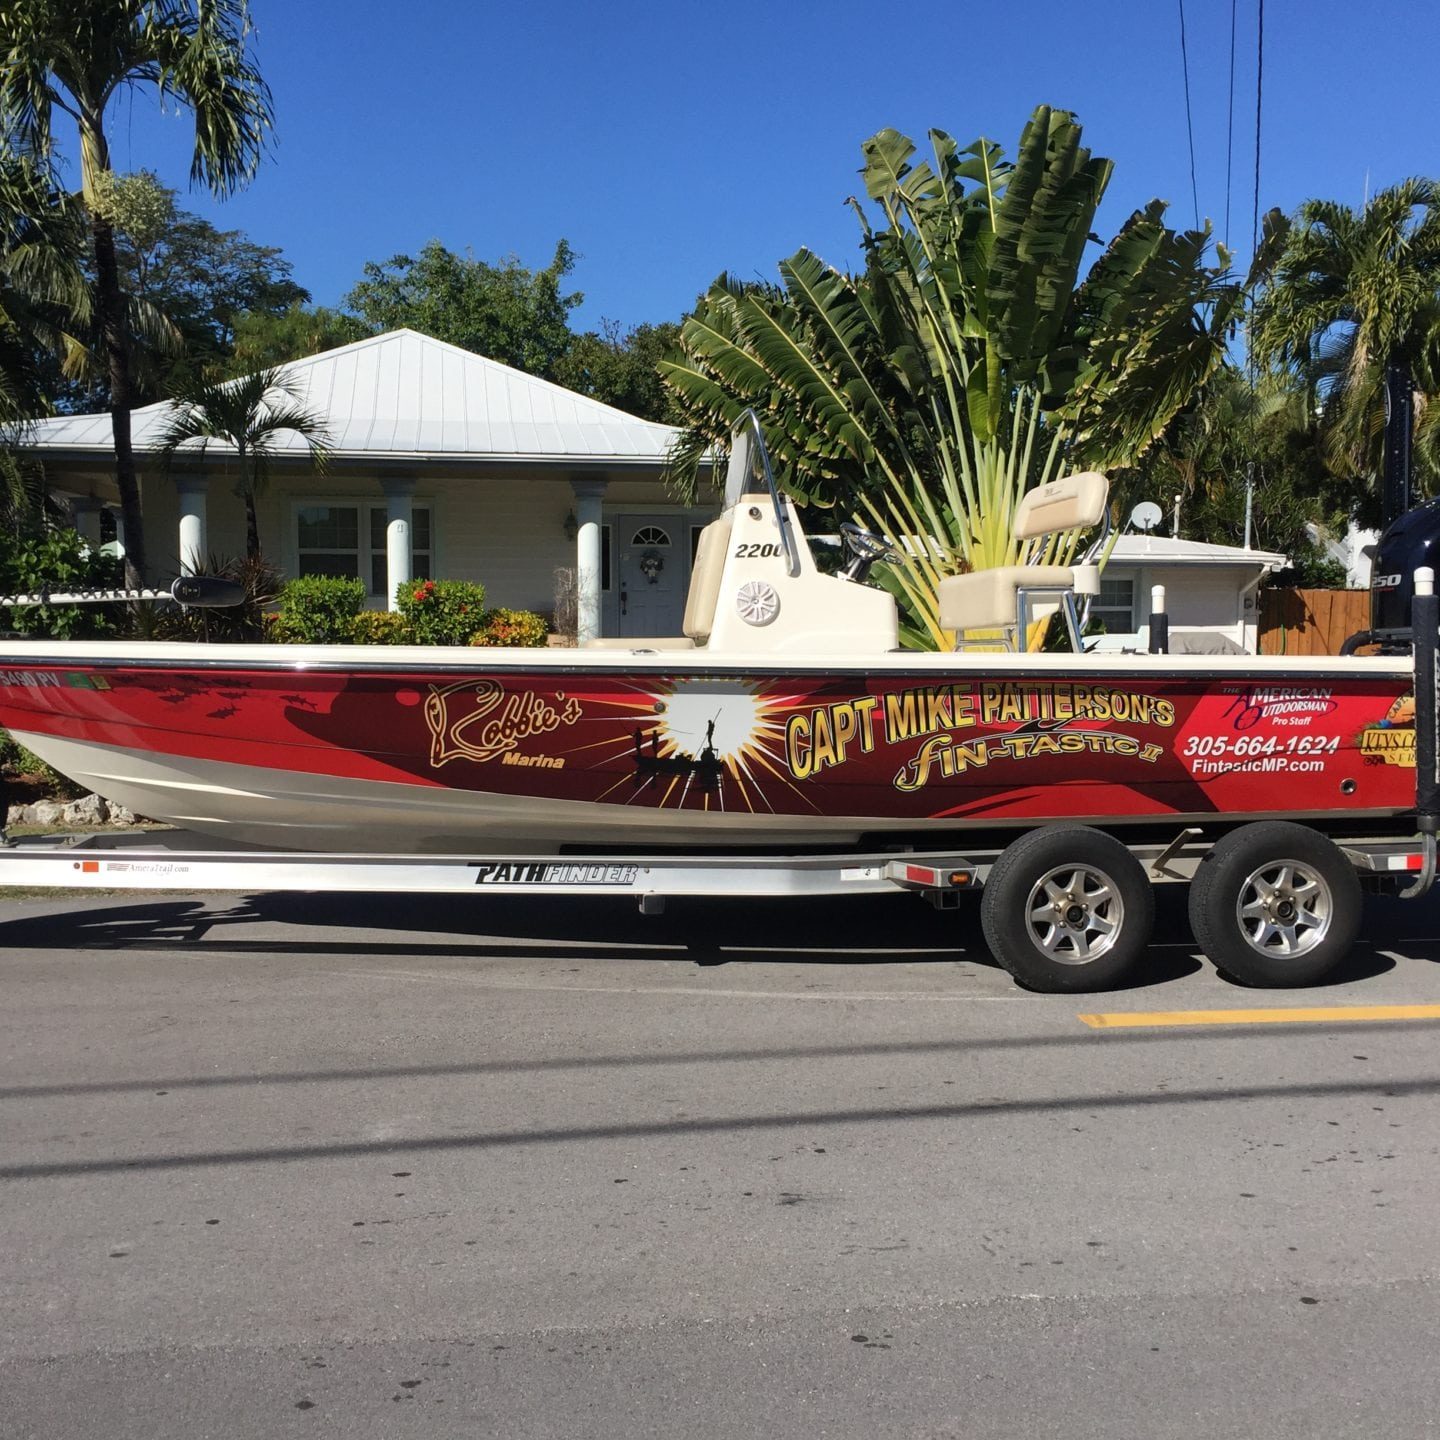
(1285, 909)
(1074, 914)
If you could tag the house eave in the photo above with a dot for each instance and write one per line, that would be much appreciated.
(491, 464)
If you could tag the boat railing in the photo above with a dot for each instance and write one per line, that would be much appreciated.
(747, 431)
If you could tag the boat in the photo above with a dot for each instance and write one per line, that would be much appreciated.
(786, 716)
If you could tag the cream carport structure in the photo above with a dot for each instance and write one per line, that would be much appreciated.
(442, 462)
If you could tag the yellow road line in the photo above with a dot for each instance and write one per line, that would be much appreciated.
(1291, 1015)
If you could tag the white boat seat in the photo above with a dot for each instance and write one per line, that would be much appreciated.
(705, 577)
(989, 599)
(1000, 598)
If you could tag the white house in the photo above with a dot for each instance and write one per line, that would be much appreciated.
(1209, 589)
(443, 464)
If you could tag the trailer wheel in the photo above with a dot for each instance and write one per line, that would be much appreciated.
(1275, 904)
(1067, 909)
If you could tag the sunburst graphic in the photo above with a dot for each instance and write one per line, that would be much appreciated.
(709, 743)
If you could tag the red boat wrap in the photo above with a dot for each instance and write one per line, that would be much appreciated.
(895, 747)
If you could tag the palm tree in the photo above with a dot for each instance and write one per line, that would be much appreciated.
(248, 415)
(44, 300)
(77, 56)
(1350, 294)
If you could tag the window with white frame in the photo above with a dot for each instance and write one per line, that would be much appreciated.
(1114, 606)
(348, 538)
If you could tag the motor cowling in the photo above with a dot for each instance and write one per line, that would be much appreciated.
(1410, 542)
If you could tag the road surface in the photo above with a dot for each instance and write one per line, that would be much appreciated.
(355, 1166)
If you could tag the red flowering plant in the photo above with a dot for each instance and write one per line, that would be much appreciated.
(441, 612)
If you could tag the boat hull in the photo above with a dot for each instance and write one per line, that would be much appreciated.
(355, 750)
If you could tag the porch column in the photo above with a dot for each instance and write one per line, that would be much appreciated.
(192, 490)
(588, 496)
(86, 510)
(399, 515)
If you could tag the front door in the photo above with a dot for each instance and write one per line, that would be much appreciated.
(654, 573)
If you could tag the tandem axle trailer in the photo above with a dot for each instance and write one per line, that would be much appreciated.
(1065, 908)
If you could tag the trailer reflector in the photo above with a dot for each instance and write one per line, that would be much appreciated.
(930, 877)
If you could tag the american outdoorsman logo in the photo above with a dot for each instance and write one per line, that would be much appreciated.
(1280, 704)
(480, 720)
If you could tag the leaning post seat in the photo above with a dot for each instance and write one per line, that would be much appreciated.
(1000, 598)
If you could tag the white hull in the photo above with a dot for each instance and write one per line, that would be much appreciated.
(282, 809)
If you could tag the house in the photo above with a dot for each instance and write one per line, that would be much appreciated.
(1211, 589)
(448, 464)
(443, 463)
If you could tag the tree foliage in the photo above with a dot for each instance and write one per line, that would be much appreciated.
(1349, 292)
(247, 415)
(202, 279)
(44, 299)
(1207, 454)
(267, 338)
(504, 311)
(76, 56)
(621, 367)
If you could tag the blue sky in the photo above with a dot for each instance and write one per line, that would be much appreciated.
(668, 142)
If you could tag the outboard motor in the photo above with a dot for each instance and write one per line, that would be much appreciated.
(1408, 543)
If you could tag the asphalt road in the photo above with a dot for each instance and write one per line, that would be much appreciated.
(302, 1166)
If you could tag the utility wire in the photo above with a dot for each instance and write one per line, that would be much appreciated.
(1230, 123)
(1189, 126)
(1259, 96)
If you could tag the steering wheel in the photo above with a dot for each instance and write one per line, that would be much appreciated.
(866, 549)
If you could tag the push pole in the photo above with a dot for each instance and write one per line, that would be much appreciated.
(1399, 434)
(1159, 622)
(1425, 629)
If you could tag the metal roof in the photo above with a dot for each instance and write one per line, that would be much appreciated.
(1162, 550)
(406, 395)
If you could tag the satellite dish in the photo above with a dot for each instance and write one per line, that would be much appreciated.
(1146, 516)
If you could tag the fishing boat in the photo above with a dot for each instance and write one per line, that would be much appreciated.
(785, 715)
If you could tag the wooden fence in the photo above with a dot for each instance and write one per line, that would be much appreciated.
(1311, 622)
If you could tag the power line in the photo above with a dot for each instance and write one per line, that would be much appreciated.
(1189, 126)
(1230, 124)
(1259, 96)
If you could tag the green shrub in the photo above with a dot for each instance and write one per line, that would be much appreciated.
(380, 627)
(57, 559)
(318, 610)
(442, 612)
(519, 628)
(241, 624)
(15, 759)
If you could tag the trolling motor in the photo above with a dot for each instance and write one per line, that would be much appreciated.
(194, 592)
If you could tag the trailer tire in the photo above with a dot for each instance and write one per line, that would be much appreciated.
(1276, 905)
(1067, 909)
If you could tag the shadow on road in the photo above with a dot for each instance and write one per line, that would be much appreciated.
(863, 930)
(849, 931)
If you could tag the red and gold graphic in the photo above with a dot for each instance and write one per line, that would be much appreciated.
(889, 749)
